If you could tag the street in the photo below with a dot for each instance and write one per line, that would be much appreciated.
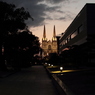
(29, 81)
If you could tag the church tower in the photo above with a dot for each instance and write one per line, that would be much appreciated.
(44, 35)
(54, 35)
(54, 41)
(44, 42)
(49, 46)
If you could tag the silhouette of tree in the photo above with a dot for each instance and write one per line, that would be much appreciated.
(20, 49)
(53, 58)
(11, 19)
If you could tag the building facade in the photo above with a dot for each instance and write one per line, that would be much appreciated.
(81, 31)
(47, 45)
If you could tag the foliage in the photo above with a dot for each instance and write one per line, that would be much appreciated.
(12, 18)
(53, 58)
(20, 48)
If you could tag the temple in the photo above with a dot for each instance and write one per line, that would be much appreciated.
(47, 45)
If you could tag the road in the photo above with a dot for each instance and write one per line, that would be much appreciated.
(29, 81)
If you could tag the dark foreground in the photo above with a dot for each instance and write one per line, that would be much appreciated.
(80, 82)
(30, 81)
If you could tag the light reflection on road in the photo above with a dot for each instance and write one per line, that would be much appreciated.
(64, 71)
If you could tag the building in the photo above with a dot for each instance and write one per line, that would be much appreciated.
(81, 31)
(47, 45)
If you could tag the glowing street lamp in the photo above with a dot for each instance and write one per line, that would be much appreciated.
(49, 64)
(52, 66)
(45, 63)
(61, 68)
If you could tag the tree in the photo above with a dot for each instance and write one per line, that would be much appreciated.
(20, 48)
(53, 58)
(11, 19)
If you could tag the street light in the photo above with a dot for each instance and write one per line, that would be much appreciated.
(49, 64)
(45, 63)
(61, 68)
(52, 66)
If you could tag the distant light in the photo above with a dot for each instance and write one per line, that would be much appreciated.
(47, 54)
(49, 64)
(46, 63)
(52, 65)
(61, 68)
(2, 50)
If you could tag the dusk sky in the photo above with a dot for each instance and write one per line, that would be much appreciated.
(49, 13)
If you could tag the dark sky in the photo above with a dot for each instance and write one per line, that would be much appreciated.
(40, 10)
(49, 13)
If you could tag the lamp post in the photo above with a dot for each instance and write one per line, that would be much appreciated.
(61, 68)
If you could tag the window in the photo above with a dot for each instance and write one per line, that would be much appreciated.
(80, 28)
(63, 43)
(74, 34)
(69, 38)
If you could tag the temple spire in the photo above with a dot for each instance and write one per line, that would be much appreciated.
(54, 35)
(44, 35)
(44, 32)
(54, 32)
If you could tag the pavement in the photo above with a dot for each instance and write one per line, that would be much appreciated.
(35, 81)
(29, 81)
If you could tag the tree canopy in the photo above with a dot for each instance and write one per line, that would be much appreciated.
(12, 18)
(17, 45)
(21, 47)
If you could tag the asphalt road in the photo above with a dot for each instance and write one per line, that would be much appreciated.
(29, 81)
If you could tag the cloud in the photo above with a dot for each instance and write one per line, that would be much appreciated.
(66, 17)
(62, 18)
(40, 10)
(36, 10)
(51, 9)
(56, 1)
(59, 11)
(48, 18)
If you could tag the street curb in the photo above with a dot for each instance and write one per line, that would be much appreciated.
(62, 85)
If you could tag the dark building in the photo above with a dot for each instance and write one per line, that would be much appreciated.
(58, 37)
(81, 32)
